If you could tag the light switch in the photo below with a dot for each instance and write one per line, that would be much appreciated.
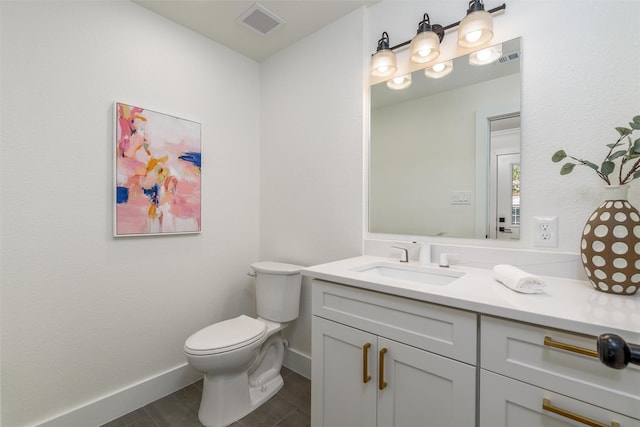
(461, 197)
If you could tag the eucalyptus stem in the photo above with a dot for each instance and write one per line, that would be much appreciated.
(622, 163)
(614, 146)
(633, 170)
(585, 163)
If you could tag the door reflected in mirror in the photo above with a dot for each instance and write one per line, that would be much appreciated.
(504, 170)
(445, 153)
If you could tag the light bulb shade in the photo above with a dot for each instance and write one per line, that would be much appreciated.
(425, 47)
(383, 63)
(399, 82)
(439, 70)
(475, 29)
(486, 56)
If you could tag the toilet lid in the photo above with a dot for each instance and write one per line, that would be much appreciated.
(225, 336)
(280, 268)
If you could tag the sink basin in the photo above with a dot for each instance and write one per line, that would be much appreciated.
(410, 273)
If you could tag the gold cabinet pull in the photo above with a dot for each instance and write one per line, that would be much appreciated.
(365, 363)
(548, 341)
(547, 406)
(381, 382)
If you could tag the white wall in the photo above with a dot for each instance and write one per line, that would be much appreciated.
(579, 82)
(312, 154)
(84, 314)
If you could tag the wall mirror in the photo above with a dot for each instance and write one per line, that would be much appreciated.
(445, 152)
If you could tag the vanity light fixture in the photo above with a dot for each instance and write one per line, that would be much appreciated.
(425, 46)
(477, 27)
(383, 62)
(486, 56)
(439, 70)
(399, 82)
(475, 30)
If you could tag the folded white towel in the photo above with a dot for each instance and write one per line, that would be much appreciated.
(518, 280)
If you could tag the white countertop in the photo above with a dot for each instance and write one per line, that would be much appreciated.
(565, 304)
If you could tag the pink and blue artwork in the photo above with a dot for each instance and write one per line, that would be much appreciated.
(157, 173)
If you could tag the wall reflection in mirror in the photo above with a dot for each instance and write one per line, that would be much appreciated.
(445, 152)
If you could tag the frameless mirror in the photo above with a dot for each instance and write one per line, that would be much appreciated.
(445, 153)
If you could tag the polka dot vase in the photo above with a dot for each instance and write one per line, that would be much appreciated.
(610, 246)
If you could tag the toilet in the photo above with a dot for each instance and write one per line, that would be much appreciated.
(241, 357)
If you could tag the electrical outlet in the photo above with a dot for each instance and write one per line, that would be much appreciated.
(545, 231)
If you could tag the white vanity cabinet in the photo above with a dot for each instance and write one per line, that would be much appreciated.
(471, 353)
(536, 376)
(381, 360)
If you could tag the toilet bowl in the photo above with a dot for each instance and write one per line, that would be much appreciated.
(241, 357)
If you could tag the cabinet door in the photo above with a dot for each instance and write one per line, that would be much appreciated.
(424, 389)
(505, 402)
(341, 394)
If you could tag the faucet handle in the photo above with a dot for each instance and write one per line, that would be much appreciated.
(405, 253)
(444, 259)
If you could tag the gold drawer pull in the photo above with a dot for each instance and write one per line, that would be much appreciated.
(548, 341)
(365, 363)
(547, 406)
(381, 382)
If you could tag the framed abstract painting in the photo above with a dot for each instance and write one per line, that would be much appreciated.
(157, 188)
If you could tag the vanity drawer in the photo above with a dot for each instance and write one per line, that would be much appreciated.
(445, 331)
(505, 402)
(518, 350)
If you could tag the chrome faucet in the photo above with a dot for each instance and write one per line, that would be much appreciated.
(405, 253)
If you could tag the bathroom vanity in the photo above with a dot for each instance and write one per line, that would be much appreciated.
(391, 348)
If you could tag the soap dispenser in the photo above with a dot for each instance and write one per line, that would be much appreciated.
(425, 253)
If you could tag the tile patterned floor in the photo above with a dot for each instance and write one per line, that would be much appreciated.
(291, 407)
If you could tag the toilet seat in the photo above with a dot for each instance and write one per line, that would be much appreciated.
(226, 336)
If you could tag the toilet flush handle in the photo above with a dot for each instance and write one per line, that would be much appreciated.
(251, 273)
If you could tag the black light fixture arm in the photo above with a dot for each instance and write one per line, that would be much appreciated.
(425, 25)
(439, 29)
(383, 43)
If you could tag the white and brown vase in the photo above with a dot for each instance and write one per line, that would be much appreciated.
(610, 246)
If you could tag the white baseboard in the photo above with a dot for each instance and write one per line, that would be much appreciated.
(298, 362)
(130, 398)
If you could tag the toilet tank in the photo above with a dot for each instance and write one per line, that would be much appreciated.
(277, 290)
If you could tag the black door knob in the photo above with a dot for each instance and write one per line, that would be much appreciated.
(614, 352)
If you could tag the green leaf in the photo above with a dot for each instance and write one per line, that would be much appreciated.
(607, 168)
(636, 119)
(624, 131)
(617, 154)
(558, 155)
(567, 168)
(636, 146)
(591, 165)
(634, 125)
(636, 174)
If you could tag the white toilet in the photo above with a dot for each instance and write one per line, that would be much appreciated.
(241, 357)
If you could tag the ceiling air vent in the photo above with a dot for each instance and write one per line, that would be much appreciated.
(509, 57)
(260, 19)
